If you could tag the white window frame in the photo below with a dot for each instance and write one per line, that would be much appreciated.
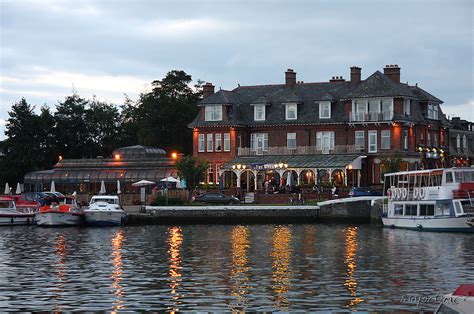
(259, 109)
(359, 135)
(384, 134)
(213, 112)
(259, 142)
(433, 111)
(360, 115)
(201, 143)
(227, 142)
(387, 114)
(325, 110)
(373, 114)
(209, 143)
(325, 141)
(372, 135)
(290, 108)
(218, 142)
(291, 138)
(406, 106)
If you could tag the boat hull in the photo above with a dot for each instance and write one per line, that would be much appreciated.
(7, 219)
(51, 219)
(442, 224)
(99, 218)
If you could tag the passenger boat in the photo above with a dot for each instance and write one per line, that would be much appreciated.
(430, 200)
(105, 210)
(60, 212)
(10, 215)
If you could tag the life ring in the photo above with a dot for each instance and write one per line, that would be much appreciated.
(422, 193)
(389, 194)
(399, 193)
(404, 193)
(394, 193)
(415, 193)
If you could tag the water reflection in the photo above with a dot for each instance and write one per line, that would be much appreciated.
(350, 259)
(175, 240)
(117, 272)
(281, 258)
(60, 266)
(239, 273)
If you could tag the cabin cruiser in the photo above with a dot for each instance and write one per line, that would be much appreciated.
(10, 215)
(105, 210)
(430, 200)
(60, 212)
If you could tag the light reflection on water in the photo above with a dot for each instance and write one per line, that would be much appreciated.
(228, 268)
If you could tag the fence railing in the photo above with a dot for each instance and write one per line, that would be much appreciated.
(370, 116)
(300, 150)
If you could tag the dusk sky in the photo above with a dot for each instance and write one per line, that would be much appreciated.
(111, 47)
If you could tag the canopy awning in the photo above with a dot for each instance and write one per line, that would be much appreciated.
(270, 162)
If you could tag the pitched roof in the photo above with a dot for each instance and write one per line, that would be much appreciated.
(221, 97)
(423, 95)
(379, 85)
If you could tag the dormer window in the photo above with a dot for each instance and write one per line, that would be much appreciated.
(213, 113)
(433, 112)
(291, 111)
(259, 112)
(325, 110)
(406, 107)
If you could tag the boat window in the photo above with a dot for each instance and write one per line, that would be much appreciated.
(449, 177)
(426, 210)
(398, 209)
(436, 179)
(464, 176)
(6, 205)
(410, 209)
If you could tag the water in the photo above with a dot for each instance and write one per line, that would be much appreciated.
(217, 267)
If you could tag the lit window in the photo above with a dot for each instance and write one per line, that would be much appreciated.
(385, 139)
(218, 140)
(325, 141)
(291, 111)
(325, 110)
(259, 112)
(291, 140)
(359, 140)
(201, 144)
(209, 143)
(226, 142)
(372, 141)
(210, 174)
(213, 112)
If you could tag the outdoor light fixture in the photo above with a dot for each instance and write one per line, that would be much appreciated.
(60, 157)
(117, 157)
(233, 166)
(239, 166)
(174, 155)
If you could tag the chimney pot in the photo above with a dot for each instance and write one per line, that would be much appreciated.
(290, 78)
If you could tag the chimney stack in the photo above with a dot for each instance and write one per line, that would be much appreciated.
(336, 79)
(355, 74)
(392, 71)
(290, 78)
(207, 90)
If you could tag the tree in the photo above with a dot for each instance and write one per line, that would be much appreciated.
(162, 115)
(391, 163)
(193, 170)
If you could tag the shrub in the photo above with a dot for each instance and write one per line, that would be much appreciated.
(161, 201)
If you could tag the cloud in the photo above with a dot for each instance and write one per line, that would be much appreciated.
(183, 28)
(465, 111)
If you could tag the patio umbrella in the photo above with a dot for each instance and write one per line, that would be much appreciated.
(18, 188)
(118, 187)
(170, 179)
(143, 183)
(179, 185)
(183, 183)
(53, 187)
(102, 188)
(7, 189)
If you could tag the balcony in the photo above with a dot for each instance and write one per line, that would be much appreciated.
(300, 150)
(370, 116)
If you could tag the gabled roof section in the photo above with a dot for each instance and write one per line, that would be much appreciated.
(424, 95)
(222, 97)
(379, 85)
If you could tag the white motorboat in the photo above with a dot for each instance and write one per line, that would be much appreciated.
(105, 210)
(9, 215)
(64, 212)
(460, 301)
(430, 200)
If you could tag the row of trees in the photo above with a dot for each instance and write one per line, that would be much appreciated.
(84, 128)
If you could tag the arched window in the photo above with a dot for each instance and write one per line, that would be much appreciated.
(458, 141)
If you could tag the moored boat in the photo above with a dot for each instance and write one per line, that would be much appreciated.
(60, 212)
(105, 210)
(460, 301)
(9, 215)
(431, 200)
